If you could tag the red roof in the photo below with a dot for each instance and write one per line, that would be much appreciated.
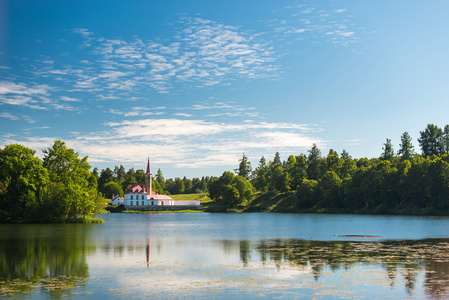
(136, 188)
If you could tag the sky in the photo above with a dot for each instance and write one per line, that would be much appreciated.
(195, 84)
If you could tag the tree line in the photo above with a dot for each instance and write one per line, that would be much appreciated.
(58, 188)
(394, 181)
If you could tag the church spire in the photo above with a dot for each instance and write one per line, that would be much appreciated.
(148, 166)
(148, 181)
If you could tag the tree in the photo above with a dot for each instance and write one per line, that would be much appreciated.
(119, 173)
(112, 188)
(179, 186)
(244, 169)
(388, 152)
(65, 167)
(430, 140)
(261, 181)
(106, 176)
(277, 160)
(140, 176)
(344, 154)
(21, 176)
(406, 149)
(446, 140)
(314, 161)
(187, 185)
(160, 179)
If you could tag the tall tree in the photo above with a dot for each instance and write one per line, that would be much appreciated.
(160, 179)
(430, 140)
(344, 154)
(314, 162)
(406, 149)
(244, 169)
(388, 152)
(446, 140)
(261, 181)
(277, 159)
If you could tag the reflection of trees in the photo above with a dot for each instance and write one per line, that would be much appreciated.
(54, 261)
(406, 256)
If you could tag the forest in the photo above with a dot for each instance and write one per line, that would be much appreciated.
(61, 187)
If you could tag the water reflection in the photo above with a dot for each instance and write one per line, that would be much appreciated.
(402, 261)
(43, 258)
(55, 261)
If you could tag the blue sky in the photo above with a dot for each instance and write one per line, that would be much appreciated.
(197, 83)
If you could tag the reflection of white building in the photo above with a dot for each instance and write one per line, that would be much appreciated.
(142, 197)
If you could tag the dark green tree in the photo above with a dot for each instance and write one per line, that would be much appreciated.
(344, 154)
(446, 140)
(140, 176)
(431, 140)
(160, 179)
(244, 169)
(261, 180)
(179, 186)
(277, 160)
(388, 152)
(406, 149)
(22, 178)
(106, 176)
(112, 188)
(313, 163)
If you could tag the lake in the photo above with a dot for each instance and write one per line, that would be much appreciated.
(240, 256)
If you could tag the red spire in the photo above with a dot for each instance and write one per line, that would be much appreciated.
(148, 166)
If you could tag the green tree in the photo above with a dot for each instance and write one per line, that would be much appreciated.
(313, 163)
(65, 167)
(277, 160)
(188, 185)
(160, 179)
(244, 169)
(446, 140)
(179, 186)
(431, 140)
(344, 154)
(120, 173)
(106, 176)
(261, 180)
(388, 152)
(140, 176)
(406, 149)
(296, 169)
(113, 188)
(21, 176)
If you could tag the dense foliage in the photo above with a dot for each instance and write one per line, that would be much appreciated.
(388, 184)
(58, 188)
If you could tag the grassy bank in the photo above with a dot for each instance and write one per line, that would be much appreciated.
(287, 203)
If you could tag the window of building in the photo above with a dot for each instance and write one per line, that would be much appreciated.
(131, 201)
(142, 201)
(131, 198)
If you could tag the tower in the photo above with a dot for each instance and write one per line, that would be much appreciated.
(148, 179)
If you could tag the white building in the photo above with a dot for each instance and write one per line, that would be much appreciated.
(116, 200)
(142, 197)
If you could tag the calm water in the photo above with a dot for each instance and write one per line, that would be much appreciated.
(203, 255)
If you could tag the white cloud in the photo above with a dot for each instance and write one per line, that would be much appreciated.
(69, 99)
(182, 114)
(9, 116)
